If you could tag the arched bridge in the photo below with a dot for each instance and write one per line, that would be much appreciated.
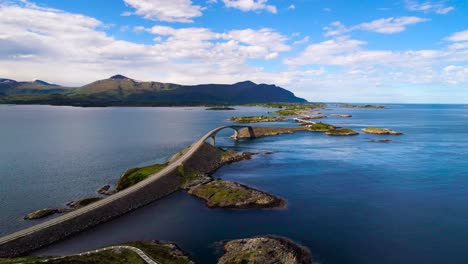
(154, 187)
(212, 134)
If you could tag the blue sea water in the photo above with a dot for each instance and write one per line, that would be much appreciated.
(349, 200)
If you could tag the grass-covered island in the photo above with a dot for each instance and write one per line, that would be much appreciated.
(265, 249)
(320, 127)
(362, 106)
(341, 132)
(161, 252)
(297, 109)
(226, 194)
(380, 131)
(256, 119)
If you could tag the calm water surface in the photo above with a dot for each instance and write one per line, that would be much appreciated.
(349, 200)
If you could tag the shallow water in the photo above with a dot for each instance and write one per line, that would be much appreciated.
(349, 200)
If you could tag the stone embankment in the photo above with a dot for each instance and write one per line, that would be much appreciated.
(199, 159)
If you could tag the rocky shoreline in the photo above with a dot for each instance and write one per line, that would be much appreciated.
(226, 194)
(380, 131)
(265, 249)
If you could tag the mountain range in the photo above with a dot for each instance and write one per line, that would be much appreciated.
(119, 90)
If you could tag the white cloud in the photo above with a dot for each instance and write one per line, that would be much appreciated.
(429, 6)
(352, 63)
(389, 25)
(165, 10)
(291, 7)
(458, 36)
(302, 41)
(75, 51)
(250, 5)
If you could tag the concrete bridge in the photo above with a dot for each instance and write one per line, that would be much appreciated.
(151, 189)
(236, 128)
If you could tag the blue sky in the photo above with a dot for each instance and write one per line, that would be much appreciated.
(403, 51)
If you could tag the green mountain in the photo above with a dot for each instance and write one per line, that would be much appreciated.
(123, 91)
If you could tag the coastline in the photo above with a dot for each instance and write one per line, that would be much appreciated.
(199, 157)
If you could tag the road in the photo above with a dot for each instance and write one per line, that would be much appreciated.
(167, 170)
(140, 253)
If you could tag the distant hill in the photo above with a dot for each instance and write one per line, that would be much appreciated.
(119, 90)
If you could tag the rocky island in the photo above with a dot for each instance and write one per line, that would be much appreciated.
(42, 213)
(380, 131)
(226, 194)
(342, 115)
(341, 132)
(265, 249)
(256, 119)
(320, 127)
(362, 106)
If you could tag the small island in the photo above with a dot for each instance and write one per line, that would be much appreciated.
(39, 214)
(73, 205)
(380, 131)
(320, 127)
(367, 106)
(83, 202)
(265, 249)
(226, 194)
(256, 119)
(297, 109)
(341, 132)
(342, 115)
(381, 141)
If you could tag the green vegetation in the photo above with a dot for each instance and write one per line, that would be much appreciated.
(380, 131)
(256, 119)
(163, 253)
(289, 105)
(187, 174)
(286, 112)
(342, 132)
(219, 192)
(297, 109)
(226, 194)
(320, 127)
(105, 257)
(122, 91)
(83, 202)
(361, 106)
(135, 175)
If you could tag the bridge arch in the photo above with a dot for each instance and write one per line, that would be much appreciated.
(212, 134)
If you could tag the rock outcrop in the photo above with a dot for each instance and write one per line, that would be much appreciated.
(265, 249)
(226, 194)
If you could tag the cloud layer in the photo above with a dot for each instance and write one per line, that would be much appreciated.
(78, 50)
